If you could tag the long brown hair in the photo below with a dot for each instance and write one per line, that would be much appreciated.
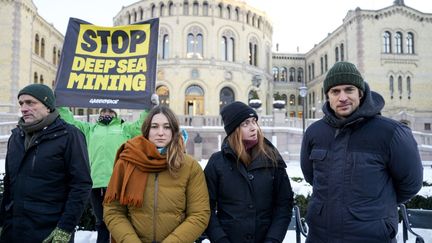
(176, 147)
(235, 141)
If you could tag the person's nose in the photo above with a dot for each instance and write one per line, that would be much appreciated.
(160, 131)
(24, 108)
(343, 96)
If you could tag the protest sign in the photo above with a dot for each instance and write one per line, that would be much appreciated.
(108, 66)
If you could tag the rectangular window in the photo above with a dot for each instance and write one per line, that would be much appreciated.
(427, 126)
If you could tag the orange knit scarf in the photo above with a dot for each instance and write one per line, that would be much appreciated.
(135, 159)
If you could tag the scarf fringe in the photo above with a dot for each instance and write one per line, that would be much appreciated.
(126, 201)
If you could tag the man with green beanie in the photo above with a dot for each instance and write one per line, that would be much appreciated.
(47, 181)
(360, 164)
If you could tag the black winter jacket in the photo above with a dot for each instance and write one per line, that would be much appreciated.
(250, 204)
(46, 186)
(360, 169)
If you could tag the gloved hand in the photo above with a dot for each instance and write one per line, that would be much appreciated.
(154, 99)
(58, 236)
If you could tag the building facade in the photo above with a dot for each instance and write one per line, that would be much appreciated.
(30, 47)
(214, 52)
(390, 46)
(210, 52)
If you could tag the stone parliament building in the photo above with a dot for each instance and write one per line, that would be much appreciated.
(212, 52)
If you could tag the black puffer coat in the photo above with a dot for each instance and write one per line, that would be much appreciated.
(46, 186)
(360, 169)
(250, 204)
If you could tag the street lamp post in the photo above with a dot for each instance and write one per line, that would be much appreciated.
(303, 92)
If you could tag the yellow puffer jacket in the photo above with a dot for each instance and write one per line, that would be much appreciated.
(174, 209)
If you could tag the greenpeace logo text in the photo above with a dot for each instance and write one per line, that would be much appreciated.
(103, 101)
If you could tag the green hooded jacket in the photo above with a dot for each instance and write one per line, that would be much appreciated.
(103, 142)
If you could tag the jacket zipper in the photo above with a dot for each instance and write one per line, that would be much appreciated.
(34, 158)
(156, 187)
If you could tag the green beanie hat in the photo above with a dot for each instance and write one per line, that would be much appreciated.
(42, 93)
(343, 73)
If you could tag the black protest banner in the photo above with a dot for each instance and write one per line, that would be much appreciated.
(108, 66)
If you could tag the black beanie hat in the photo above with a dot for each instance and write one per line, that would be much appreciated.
(343, 73)
(234, 114)
(42, 93)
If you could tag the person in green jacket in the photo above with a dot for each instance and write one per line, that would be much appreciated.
(103, 139)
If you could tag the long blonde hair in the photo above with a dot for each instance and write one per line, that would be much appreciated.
(235, 140)
(176, 147)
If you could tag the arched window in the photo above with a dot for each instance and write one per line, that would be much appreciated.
(35, 78)
(185, 8)
(135, 16)
(42, 48)
(205, 8)
(153, 11)
(408, 80)
(170, 9)
(54, 55)
(283, 74)
(253, 20)
(226, 97)
(291, 74)
(337, 54)
(237, 14)
(58, 56)
(300, 75)
(161, 9)
(195, 46)
(220, 10)
(410, 43)
(292, 100)
(163, 93)
(129, 18)
(325, 63)
(387, 42)
(228, 9)
(342, 53)
(391, 88)
(194, 103)
(228, 46)
(259, 23)
(141, 13)
(253, 51)
(36, 46)
(248, 17)
(400, 87)
(275, 71)
(41, 79)
(398, 41)
(195, 8)
(165, 46)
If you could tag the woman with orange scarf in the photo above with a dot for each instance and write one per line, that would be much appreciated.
(157, 193)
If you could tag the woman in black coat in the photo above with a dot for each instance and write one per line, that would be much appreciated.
(251, 198)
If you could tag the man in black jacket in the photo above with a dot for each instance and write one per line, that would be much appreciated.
(360, 164)
(47, 182)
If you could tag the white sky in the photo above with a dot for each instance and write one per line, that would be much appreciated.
(296, 23)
